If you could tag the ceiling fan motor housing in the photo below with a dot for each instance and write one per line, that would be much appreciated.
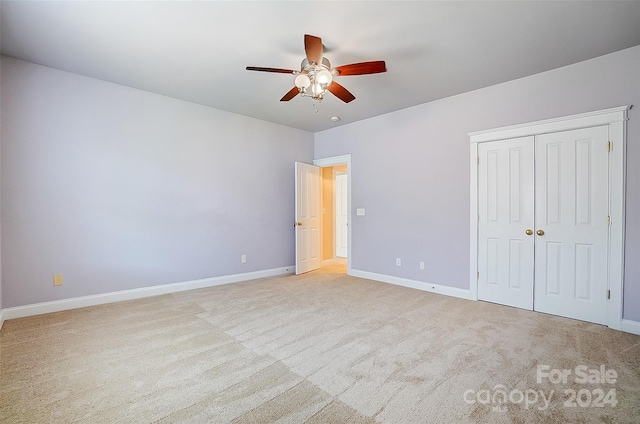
(305, 66)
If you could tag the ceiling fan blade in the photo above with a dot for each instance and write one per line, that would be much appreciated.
(313, 48)
(277, 70)
(362, 68)
(290, 95)
(341, 92)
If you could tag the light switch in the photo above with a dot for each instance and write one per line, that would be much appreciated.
(360, 211)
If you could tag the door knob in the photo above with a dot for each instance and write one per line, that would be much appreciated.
(297, 224)
(529, 231)
(540, 232)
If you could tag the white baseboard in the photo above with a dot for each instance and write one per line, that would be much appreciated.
(631, 326)
(1, 319)
(420, 285)
(118, 296)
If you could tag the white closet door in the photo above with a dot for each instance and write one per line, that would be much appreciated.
(505, 206)
(572, 211)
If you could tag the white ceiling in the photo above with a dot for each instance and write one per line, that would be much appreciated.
(198, 51)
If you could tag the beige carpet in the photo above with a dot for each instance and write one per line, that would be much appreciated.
(317, 348)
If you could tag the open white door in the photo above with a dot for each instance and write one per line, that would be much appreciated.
(307, 216)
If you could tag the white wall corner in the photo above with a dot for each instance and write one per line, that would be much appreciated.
(631, 326)
(119, 296)
(414, 284)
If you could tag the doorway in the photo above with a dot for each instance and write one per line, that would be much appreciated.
(334, 214)
(315, 223)
(336, 211)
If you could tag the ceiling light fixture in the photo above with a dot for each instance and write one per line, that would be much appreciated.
(313, 80)
(315, 76)
(335, 118)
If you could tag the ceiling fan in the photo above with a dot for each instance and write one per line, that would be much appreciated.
(315, 76)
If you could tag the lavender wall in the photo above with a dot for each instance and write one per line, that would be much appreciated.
(118, 188)
(410, 169)
(1, 320)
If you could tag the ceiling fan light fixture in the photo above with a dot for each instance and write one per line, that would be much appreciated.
(324, 77)
(318, 91)
(315, 76)
(302, 81)
(314, 79)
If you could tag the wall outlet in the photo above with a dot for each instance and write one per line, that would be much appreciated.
(243, 259)
(58, 279)
(421, 265)
(398, 262)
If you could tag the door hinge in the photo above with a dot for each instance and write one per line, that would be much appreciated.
(609, 220)
(608, 294)
(478, 275)
(478, 160)
(609, 146)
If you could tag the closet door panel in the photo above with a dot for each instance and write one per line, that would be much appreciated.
(571, 198)
(505, 206)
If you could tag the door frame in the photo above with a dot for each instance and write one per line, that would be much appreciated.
(342, 160)
(615, 119)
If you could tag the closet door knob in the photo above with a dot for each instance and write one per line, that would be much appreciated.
(540, 232)
(529, 231)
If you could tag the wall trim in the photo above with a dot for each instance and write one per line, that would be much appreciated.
(631, 326)
(119, 296)
(332, 161)
(1, 319)
(563, 123)
(414, 284)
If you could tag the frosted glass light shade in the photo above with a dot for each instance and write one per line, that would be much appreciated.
(302, 81)
(324, 77)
